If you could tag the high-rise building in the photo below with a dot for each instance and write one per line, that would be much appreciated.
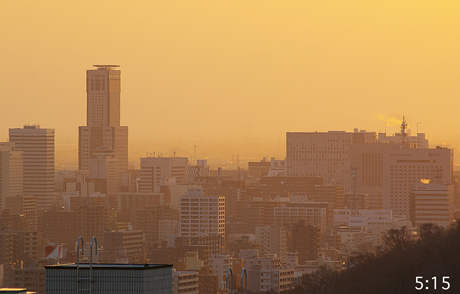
(103, 130)
(37, 145)
(325, 155)
(367, 161)
(202, 215)
(11, 172)
(405, 167)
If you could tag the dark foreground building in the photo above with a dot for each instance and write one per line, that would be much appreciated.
(110, 278)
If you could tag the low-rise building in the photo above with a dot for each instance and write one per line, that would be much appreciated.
(184, 282)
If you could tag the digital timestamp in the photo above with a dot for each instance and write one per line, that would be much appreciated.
(432, 283)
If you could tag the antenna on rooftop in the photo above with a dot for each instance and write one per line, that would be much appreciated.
(403, 130)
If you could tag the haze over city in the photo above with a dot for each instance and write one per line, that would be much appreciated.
(220, 147)
(232, 77)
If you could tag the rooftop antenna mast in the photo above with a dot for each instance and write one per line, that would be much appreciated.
(403, 130)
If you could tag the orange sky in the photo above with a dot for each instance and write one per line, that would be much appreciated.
(233, 76)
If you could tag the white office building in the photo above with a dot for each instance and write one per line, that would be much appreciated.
(199, 214)
(405, 167)
(37, 145)
(432, 203)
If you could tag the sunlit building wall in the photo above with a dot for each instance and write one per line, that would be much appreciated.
(37, 145)
(323, 154)
(432, 203)
(103, 86)
(11, 172)
(405, 167)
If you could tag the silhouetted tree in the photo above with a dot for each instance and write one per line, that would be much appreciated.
(435, 253)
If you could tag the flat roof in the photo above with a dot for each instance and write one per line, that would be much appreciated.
(110, 266)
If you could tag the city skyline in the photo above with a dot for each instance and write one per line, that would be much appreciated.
(234, 88)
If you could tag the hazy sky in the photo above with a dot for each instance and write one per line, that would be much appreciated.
(233, 76)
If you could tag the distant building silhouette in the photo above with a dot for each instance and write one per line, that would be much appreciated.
(11, 172)
(326, 155)
(103, 130)
(37, 145)
(162, 171)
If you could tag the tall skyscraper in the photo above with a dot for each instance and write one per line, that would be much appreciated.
(11, 172)
(37, 145)
(325, 155)
(103, 130)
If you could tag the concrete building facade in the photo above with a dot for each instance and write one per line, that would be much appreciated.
(37, 145)
(418, 141)
(326, 155)
(200, 214)
(272, 241)
(432, 203)
(162, 171)
(405, 167)
(103, 130)
(11, 172)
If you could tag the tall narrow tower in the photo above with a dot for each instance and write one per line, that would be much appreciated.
(103, 130)
(103, 96)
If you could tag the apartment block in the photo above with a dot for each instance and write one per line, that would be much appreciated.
(272, 240)
(185, 282)
(202, 215)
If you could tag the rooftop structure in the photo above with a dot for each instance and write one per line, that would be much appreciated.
(111, 278)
